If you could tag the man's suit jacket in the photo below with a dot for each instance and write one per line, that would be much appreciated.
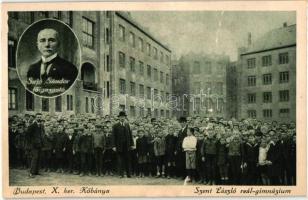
(274, 155)
(35, 134)
(181, 135)
(59, 69)
(86, 143)
(122, 137)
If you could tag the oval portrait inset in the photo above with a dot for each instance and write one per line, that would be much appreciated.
(48, 58)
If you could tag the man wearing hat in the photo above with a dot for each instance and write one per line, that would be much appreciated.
(122, 142)
(180, 154)
(12, 148)
(35, 135)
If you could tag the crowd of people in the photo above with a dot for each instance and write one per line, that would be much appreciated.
(204, 150)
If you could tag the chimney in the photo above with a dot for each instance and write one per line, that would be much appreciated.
(285, 24)
(249, 38)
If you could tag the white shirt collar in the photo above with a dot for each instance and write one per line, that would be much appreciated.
(49, 58)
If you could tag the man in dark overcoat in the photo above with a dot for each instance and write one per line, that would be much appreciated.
(122, 142)
(180, 154)
(274, 155)
(35, 134)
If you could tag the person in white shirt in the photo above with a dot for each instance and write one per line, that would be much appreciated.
(263, 163)
(189, 145)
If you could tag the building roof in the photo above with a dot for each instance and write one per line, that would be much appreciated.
(193, 56)
(130, 20)
(276, 38)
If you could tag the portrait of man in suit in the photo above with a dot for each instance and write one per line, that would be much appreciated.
(50, 71)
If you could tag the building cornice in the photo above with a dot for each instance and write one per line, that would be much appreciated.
(142, 30)
(270, 49)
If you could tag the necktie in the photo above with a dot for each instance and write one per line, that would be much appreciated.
(44, 71)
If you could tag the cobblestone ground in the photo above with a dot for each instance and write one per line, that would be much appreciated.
(20, 178)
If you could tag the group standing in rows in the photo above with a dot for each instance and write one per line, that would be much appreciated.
(203, 150)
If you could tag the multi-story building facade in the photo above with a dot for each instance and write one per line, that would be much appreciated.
(267, 77)
(114, 62)
(180, 88)
(232, 93)
(206, 83)
(141, 69)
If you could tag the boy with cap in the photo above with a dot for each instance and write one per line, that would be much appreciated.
(250, 159)
(222, 160)
(159, 151)
(86, 150)
(76, 150)
(12, 146)
(142, 152)
(235, 159)
(133, 153)
(47, 149)
(170, 152)
(209, 152)
(99, 148)
(59, 148)
(109, 155)
(69, 150)
(20, 141)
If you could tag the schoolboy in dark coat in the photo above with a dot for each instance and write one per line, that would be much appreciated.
(86, 150)
(142, 152)
(171, 141)
(69, 143)
(274, 156)
(47, 149)
(60, 139)
(250, 160)
(209, 152)
(109, 154)
(20, 142)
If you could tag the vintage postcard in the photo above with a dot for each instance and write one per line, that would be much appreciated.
(159, 99)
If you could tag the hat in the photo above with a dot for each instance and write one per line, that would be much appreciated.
(122, 113)
(258, 133)
(182, 119)
(98, 126)
(21, 124)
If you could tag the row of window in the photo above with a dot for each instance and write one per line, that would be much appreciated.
(207, 67)
(150, 50)
(268, 113)
(30, 17)
(30, 102)
(122, 88)
(132, 67)
(284, 96)
(88, 32)
(283, 58)
(65, 16)
(210, 87)
(92, 108)
(267, 78)
(132, 112)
